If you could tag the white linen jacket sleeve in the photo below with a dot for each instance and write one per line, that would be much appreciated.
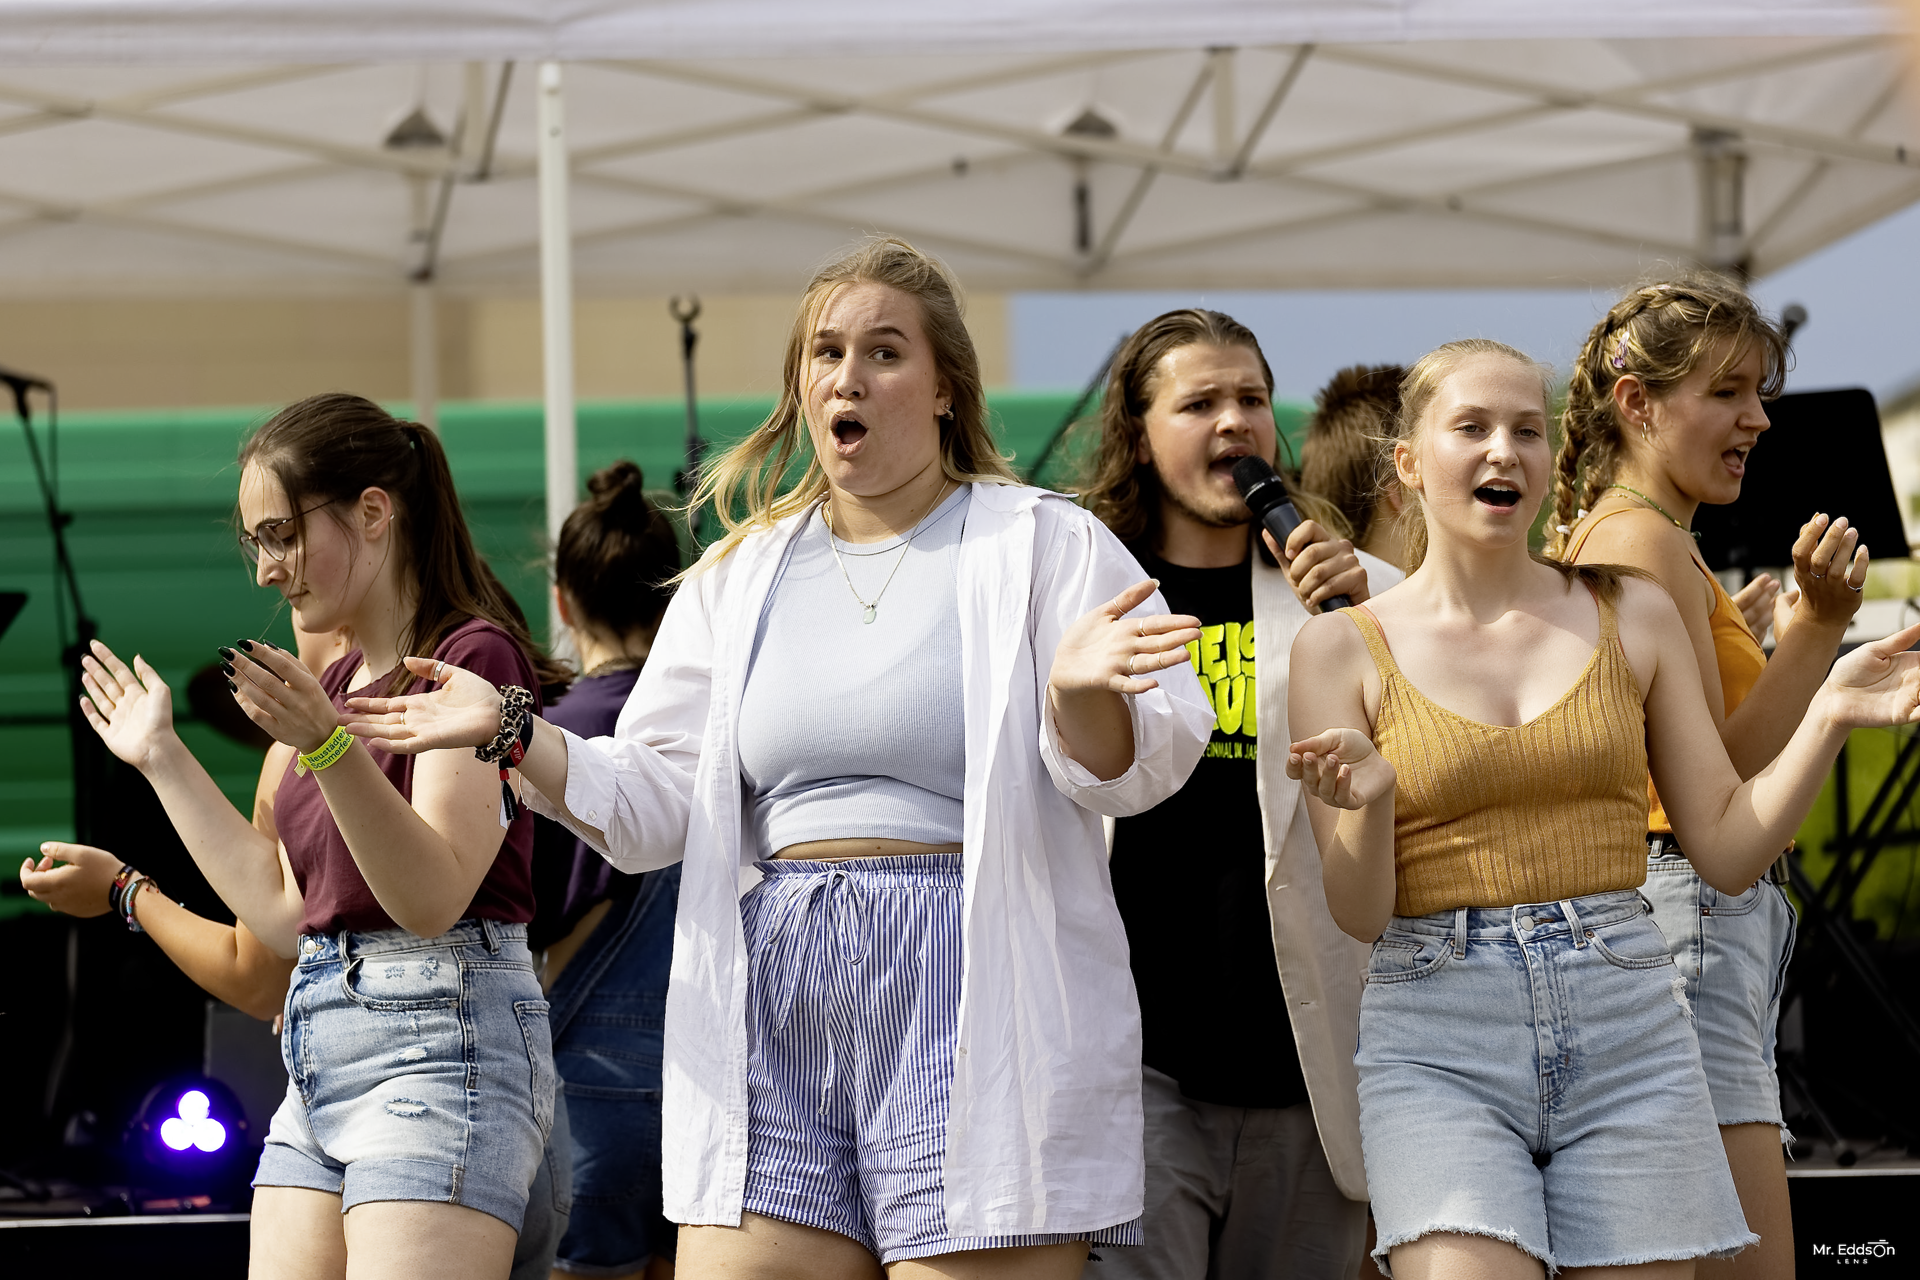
(628, 796)
(1079, 566)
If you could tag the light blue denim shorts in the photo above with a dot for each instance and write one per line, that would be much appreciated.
(418, 1069)
(1733, 951)
(1530, 1073)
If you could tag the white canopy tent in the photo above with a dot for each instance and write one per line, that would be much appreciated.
(712, 145)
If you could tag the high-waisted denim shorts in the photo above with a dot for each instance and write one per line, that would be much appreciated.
(418, 1069)
(1530, 1073)
(853, 1003)
(1733, 951)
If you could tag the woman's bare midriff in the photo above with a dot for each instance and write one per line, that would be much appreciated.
(863, 847)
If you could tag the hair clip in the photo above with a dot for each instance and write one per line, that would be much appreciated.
(1581, 514)
(1562, 530)
(1619, 360)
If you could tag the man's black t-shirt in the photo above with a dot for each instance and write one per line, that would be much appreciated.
(1190, 876)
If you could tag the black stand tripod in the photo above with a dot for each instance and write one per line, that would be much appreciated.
(685, 480)
(1830, 951)
(88, 752)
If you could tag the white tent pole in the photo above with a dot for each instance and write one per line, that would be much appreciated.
(556, 311)
(423, 349)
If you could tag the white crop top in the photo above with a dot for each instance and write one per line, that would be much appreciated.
(850, 729)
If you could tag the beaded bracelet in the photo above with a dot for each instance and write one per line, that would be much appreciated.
(118, 887)
(127, 896)
(326, 755)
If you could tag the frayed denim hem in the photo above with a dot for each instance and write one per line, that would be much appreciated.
(1720, 1252)
(1382, 1248)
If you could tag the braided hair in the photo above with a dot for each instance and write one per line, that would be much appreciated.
(1659, 332)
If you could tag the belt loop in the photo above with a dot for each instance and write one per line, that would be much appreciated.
(1657, 845)
(346, 951)
(1573, 922)
(492, 939)
(1459, 933)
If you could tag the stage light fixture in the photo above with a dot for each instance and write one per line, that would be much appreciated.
(189, 1132)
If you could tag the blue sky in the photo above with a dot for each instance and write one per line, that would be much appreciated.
(1862, 297)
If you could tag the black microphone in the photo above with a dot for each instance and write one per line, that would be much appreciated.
(1266, 496)
(1791, 318)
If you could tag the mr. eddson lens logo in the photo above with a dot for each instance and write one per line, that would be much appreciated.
(1858, 1254)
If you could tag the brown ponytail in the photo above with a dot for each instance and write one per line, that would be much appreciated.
(330, 448)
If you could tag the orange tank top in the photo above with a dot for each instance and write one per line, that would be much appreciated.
(1490, 815)
(1735, 651)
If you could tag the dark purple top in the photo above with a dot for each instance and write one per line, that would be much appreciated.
(569, 878)
(331, 886)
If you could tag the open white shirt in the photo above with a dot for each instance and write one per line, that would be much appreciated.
(1044, 1121)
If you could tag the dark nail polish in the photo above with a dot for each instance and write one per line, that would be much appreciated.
(247, 645)
(225, 653)
(232, 687)
(227, 668)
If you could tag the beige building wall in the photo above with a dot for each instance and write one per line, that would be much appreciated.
(161, 353)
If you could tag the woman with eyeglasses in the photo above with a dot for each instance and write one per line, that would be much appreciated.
(416, 1038)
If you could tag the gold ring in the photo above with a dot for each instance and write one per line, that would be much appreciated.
(1130, 662)
(1143, 631)
(439, 670)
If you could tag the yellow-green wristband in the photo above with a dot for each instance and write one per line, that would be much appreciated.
(329, 752)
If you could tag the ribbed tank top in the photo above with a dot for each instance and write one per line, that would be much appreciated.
(1489, 815)
(1735, 651)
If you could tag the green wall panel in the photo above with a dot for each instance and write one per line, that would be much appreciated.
(152, 493)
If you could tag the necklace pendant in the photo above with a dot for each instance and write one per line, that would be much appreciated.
(868, 616)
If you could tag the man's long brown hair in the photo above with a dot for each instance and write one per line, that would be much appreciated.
(1120, 489)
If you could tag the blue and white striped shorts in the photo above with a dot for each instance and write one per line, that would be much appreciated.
(852, 1006)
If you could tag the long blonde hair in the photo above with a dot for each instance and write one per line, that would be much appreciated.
(1659, 332)
(746, 486)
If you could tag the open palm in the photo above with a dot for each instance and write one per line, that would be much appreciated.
(131, 708)
(1878, 683)
(463, 712)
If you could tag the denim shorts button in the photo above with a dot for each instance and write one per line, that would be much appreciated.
(1526, 922)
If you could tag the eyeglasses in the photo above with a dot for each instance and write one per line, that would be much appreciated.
(268, 538)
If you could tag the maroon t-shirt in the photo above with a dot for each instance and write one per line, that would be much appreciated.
(335, 895)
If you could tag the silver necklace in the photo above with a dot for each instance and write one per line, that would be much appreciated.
(871, 608)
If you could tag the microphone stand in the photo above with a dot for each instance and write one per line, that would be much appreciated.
(88, 752)
(688, 477)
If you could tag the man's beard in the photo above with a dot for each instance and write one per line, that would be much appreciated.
(1227, 513)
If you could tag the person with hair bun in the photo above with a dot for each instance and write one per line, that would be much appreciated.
(1664, 408)
(1477, 741)
(421, 1090)
(608, 936)
(894, 699)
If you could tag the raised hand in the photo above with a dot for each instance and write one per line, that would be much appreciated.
(79, 888)
(1105, 649)
(280, 695)
(1756, 601)
(1342, 768)
(1830, 569)
(1876, 684)
(463, 712)
(131, 708)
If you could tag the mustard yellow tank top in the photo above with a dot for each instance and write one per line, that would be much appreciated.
(1735, 651)
(1488, 815)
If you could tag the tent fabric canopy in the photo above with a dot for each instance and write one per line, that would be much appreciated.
(200, 146)
(220, 31)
